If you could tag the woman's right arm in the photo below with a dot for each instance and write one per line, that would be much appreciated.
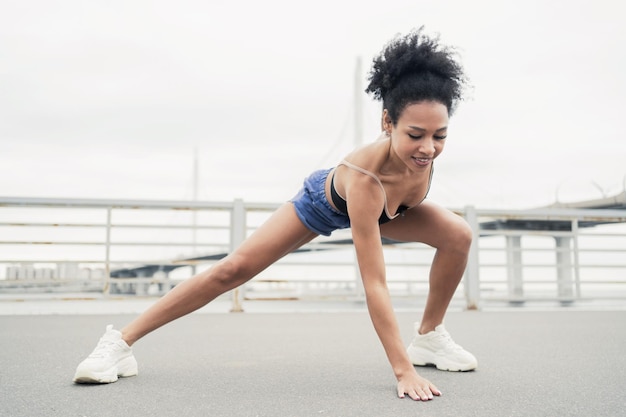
(365, 203)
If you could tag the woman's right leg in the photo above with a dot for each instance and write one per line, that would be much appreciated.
(281, 234)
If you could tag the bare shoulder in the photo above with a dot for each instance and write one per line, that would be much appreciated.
(370, 156)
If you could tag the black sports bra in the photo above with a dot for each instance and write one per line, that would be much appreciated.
(341, 204)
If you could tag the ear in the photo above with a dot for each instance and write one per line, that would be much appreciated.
(385, 123)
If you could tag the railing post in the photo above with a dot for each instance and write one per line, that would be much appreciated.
(576, 256)
(565, 283)
(471, 280)
(107, 255)
(237, 236)
(514, 269)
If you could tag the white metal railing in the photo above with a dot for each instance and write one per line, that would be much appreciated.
(547, 254)
(139, 247)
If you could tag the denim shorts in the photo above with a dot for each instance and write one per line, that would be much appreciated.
(313, 208)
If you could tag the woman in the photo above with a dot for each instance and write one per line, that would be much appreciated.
(378, 191)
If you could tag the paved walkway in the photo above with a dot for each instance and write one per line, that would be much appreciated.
(531, 363)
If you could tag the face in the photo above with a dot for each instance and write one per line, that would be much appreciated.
(419, 136)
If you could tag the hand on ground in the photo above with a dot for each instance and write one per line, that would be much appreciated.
(417, 388)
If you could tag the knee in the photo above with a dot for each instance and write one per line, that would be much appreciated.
(226, 274)
(462, 237)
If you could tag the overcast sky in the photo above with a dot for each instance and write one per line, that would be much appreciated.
(109, 99)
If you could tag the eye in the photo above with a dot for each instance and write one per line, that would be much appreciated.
(440, 137)
(415, 137)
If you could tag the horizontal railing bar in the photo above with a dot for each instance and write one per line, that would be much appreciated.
(143, 280)
(554, 281)
(554, 250)
(553, 214)
(4, 282)
(287, 281)
(81, 243)
(130, 204)
(114, 226)
(536, 294)
(510, 232)
(607, 250)
(102, 261)
(589, 233)
(551, 265)
(533, 214)
(346, 263)
(333, 281)
(194, 262)
(595, 266)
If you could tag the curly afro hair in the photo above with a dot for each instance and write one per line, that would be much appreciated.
(414, 68)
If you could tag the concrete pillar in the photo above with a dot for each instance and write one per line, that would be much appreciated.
(514, 269)
(565, 281)
(471, 279)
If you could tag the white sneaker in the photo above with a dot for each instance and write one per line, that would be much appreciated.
(111, 358)
(437, 348)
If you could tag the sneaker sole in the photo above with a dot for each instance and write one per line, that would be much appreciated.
(127, 367)
(442, 365)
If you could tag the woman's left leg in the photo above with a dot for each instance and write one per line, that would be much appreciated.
(451, 236)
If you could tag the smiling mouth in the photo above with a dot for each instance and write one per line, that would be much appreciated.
(421, 161)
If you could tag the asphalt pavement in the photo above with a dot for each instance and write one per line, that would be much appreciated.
(561, 362)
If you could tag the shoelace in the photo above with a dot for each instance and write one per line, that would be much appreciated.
(104, 347)
(446, 341)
